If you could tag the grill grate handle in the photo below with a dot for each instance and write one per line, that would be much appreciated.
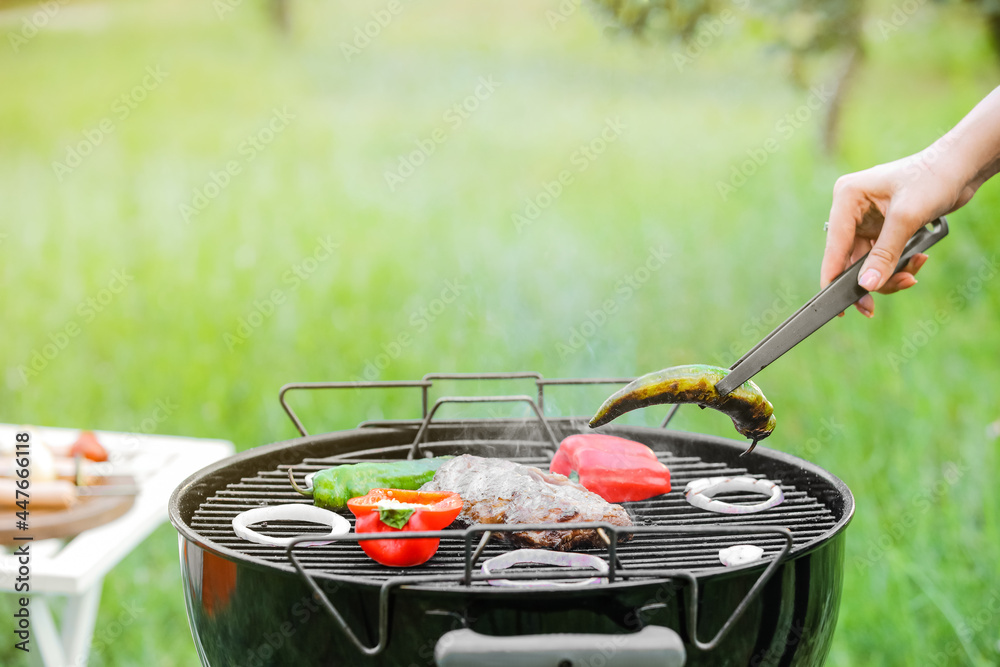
(469, 535)
(422, 431)
(427, 382)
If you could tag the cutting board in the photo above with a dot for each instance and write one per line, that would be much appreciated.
(88, 512)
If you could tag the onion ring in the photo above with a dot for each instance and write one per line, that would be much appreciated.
(292, 512)
(544, 557)
(741, 554)
(700, 492)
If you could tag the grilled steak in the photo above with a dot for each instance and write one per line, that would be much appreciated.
(504, 492)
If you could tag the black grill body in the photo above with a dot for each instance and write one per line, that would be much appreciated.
(248, 606)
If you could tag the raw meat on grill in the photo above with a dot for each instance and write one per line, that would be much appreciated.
(503, 492)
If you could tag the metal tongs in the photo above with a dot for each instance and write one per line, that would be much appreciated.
(834, 299)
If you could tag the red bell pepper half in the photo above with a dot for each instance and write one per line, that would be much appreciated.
(616, 469)
(88, 447)
(396, 511)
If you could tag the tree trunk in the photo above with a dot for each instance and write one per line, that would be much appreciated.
(831, 124)
(280, 13)
(993, 25)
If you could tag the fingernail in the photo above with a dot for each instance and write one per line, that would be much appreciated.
(864, 311)
(869, 280)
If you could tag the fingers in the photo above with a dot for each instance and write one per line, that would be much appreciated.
(866, 306)
(840, 236)
(882, 260)
(916, 263)
(897, 283)
(901, 280)
(862, 247)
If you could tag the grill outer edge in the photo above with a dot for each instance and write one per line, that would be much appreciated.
(200, 486)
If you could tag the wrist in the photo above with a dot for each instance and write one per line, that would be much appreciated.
(955, 163)
(949, 158)
(988, 171)
(972, 148)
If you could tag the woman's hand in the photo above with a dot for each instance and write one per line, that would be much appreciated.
(876, 211)
(879, 209)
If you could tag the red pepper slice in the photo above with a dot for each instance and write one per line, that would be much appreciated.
(616, 469)
(436, 511)
(87, 446)
(562, 462)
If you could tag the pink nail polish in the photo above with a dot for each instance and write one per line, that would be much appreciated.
(869, 280)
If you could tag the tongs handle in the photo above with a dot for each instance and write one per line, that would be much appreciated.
(832, 300)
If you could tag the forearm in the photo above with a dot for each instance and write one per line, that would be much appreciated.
(970, 152)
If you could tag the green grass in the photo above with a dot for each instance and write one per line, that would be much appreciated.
(921, 564)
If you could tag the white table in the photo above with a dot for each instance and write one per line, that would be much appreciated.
(74, 568)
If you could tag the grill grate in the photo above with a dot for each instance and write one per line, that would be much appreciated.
(807, 517)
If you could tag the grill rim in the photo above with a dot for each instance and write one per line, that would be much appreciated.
(378, 435)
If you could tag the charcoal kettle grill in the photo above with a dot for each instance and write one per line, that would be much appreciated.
(666, 599)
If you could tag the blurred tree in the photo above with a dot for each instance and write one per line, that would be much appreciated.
(990, 9)
(280, 13)
(801, 29)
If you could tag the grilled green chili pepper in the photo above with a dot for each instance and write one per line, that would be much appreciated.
(751, 412)
(333, 487)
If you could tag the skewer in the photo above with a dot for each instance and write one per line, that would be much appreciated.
(291, 478)
(482, 545)
(607, 541)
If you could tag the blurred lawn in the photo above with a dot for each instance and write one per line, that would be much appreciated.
(921, 569)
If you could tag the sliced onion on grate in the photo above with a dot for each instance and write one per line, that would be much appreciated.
(741, 554)
(700, 492)
(292, 512)
(544, 557)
